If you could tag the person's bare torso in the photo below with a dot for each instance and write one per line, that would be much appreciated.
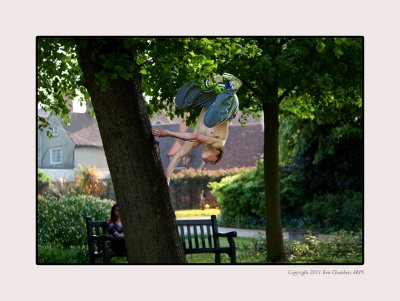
(220, 131)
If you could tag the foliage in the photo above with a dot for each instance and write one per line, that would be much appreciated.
(88, 180)
(322, 180)
(63, 187)
(340, 247)
(169, 63)
(189, 187)
(58, 76)
(335, 211)
(196, 173)
(303, 207)
(43, 182)
(62, 221)
(242, 197)
(50, 253)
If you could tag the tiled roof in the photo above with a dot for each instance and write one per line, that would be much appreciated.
(243, 147)
(84, 130)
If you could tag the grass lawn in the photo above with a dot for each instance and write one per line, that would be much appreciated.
(210, 258)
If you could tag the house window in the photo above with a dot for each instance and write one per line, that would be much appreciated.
(56, 155)
(54, 130)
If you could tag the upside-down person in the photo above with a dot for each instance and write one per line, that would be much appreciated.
(212, 124)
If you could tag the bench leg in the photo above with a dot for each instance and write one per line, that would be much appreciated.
(218, 258)
(232, 247)
(232, 255)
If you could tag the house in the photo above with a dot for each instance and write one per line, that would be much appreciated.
(79, 143)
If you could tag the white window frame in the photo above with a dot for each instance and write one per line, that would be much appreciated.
(52, 162)
(55, 130)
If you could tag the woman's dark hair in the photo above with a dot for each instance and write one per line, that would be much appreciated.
(112, 215)
(219, 156)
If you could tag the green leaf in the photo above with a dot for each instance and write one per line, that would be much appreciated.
(320, 46)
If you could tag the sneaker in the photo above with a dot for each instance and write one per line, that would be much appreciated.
(233, 83)
(214, 79)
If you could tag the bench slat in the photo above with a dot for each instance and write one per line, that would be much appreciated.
(196, 237)
(183, 236)
(203, 242)
(209, 236)
(189, 235)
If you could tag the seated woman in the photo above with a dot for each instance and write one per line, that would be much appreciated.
(114, 228)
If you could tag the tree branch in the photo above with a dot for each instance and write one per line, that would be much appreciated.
(283, 95)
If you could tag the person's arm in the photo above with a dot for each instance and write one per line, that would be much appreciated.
(111, 227)
(192, 137)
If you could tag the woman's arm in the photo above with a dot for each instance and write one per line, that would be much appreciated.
(112, 229)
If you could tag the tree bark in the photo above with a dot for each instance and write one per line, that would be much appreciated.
(275, 249)
(133, 158)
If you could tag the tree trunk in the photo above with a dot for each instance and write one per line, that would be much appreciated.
(133, 158)
(275, 250)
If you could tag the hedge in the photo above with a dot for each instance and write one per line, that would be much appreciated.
(189, 188)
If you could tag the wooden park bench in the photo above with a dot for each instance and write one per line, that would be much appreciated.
(197, 236)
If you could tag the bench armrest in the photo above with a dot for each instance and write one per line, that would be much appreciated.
(103, 237)
(228, 234)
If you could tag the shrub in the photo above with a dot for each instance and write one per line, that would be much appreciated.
(62, 187)
(43, 182)
(342, 247)
(254, 251)
(332, 212)
(61, 222)
(56, 253)
(87, 179)
(242, 197)
(189, 188)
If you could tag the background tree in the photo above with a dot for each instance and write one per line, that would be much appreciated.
(322, 178)
(296, 76)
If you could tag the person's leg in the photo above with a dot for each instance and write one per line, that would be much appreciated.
(224, 108)
(186, 148)
(190, 95)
